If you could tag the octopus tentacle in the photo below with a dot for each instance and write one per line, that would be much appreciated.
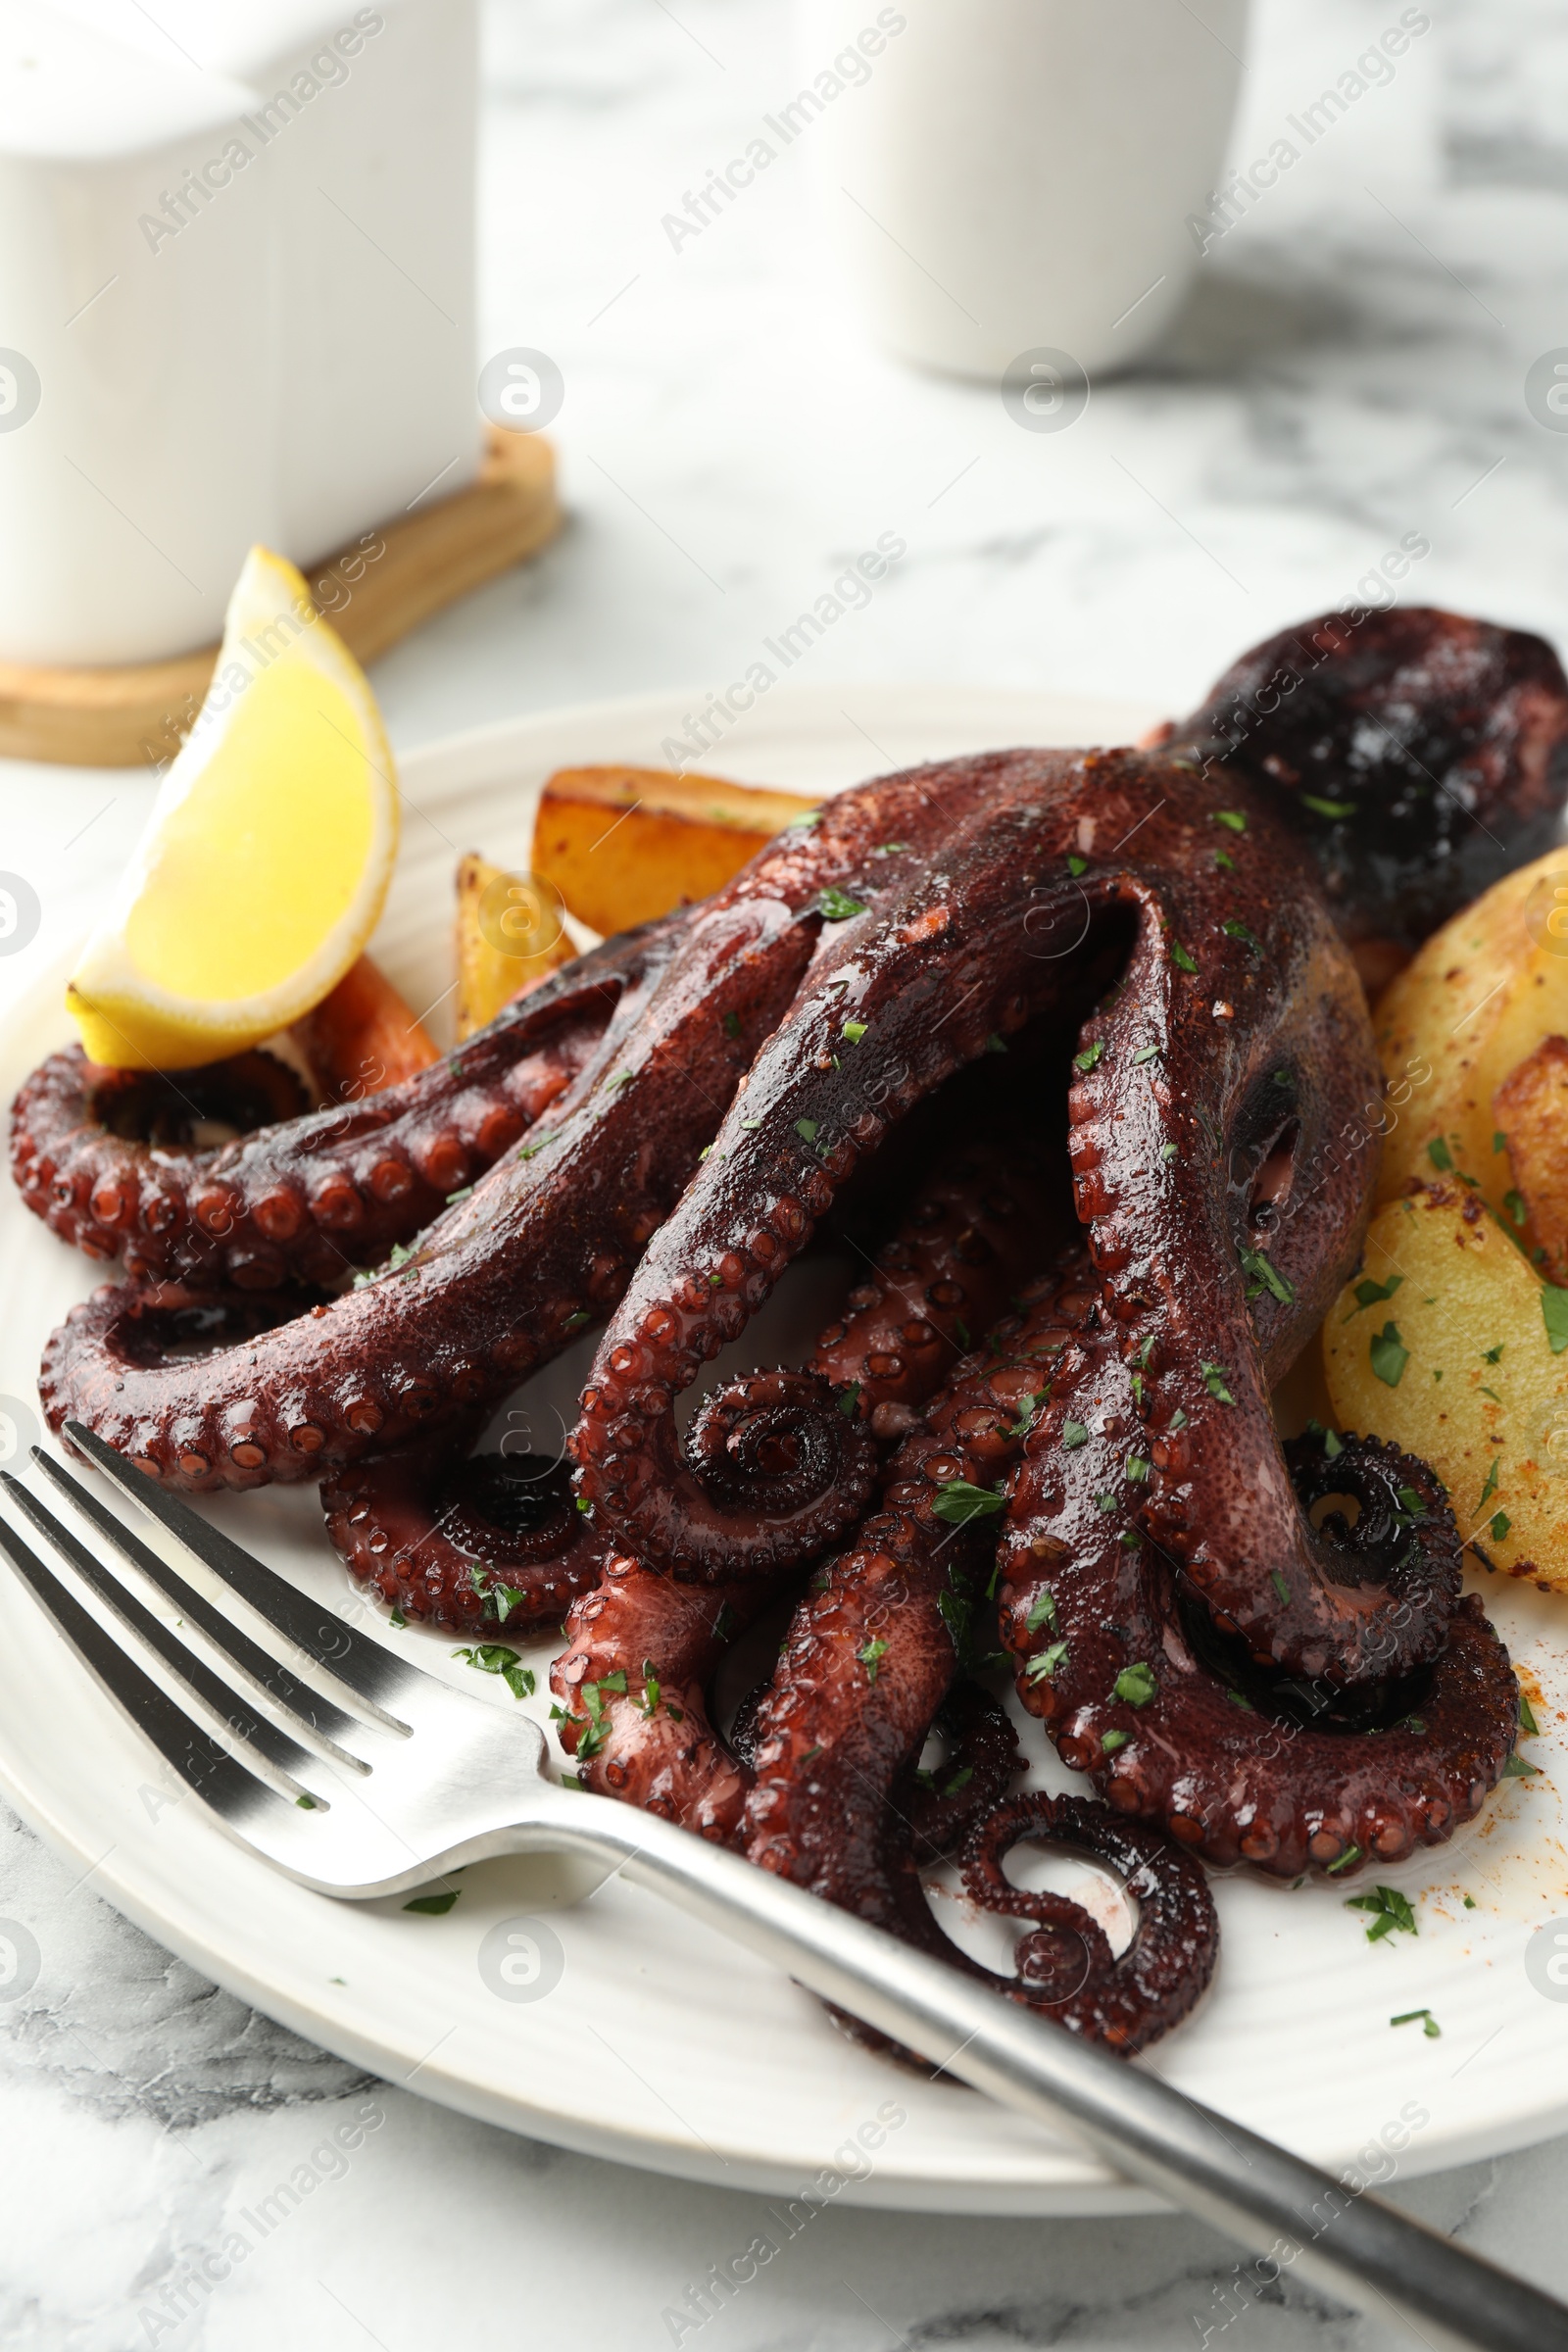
(1218, 1209)
(497, 1285)
(879, 1636)
(109, 1160)
(633, 1680)
(1065, 1965)
(643, 1622)
(969, 1240)
(1177, 1727)
(463, 1540)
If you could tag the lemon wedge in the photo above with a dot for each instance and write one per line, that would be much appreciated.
(267, 852)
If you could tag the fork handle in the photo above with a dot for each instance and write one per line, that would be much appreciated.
(1257, 2193)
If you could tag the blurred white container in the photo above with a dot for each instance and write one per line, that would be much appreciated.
(1003, 176)
(236, 299)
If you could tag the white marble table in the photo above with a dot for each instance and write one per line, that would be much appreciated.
(1352, 370)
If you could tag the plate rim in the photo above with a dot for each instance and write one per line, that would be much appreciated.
(476, 758)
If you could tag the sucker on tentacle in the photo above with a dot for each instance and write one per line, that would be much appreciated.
(106, 1157)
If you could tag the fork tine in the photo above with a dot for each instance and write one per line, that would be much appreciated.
(259, 1665)
(217, 1777)
(364, 1665)
(228, 1705)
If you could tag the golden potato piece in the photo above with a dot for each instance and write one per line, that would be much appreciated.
(509, 935)
(624, 843)
(363, 1036)
(1476, 1001)
(1445, 1345)
(1531, 1108)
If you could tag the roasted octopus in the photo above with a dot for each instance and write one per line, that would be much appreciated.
(1070, 1048)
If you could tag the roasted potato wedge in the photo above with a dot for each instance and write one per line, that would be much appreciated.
(1474, 1005)
(1451, 1346)
(509, 935)
(624, 843)
(1531, 1108)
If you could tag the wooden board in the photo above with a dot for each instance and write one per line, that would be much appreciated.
(136, 714)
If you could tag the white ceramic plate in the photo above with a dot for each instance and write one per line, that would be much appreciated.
(661, 2044)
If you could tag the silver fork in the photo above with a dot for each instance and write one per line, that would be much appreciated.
(401, 1778)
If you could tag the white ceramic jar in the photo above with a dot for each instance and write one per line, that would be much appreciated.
(1006, 175)
(236, 299)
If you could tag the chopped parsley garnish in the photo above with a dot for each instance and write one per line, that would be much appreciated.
(1110, 1741)
(308, 1803)
(1237, 930)
(1470, 1902)
(397, 1620)
(1231, 819)
(732, 1024)
(724, 1621)
(1106, 1504)
(1391, 1912)
(1042, 1612)
(1042, 1668)
(1351, 1854)
(1280, 1586)
(1145, 1053)
(1490, 1487)
(994, 1044)
(1514, 1203)
(1223, 858)
(1180, 957)
(1439, 1155)
(1136, 1685)
(1216, 1381)
(1527, 1718)
(1178, 1419)
(1389, 1355)
(1409, 1501)
(1028, 1406)
(806, 1129)
(838, 907)
(1329, 808)
(437, 1905)
(1089, 1057)
(454, 1197)
(1429, 2027)
(1261, 1276)
(1500, 1524)
(1370, 1294)
(1493, 1355)
(1073, 1433)
(1516, 1769)
(1332, 1444)
(622, 1078)
(1077, 866)
(1169, 1150)
(1136, 1469)
(576, 1320)
(853, 1031)
(494, 1657)
(870, 1658)
(957, 1501)
(1554, 1315)
(887, 849)
(849, 1399)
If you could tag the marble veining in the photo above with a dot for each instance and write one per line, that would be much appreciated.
(1351, 368)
